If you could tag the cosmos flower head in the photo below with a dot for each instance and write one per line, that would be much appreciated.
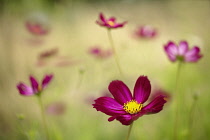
(110, 23)
(100, 53)
(182, 52)
(36, 28)
(145, 31)
(35, 88)
(126, 107)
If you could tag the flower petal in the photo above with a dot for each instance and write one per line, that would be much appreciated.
(102, 17)
(171, 50)
(193, 55)
(24, 89)
(46, 80)
(125, 119)
(108, 106)
(155, 106)
(142, 89)
(120, 91)
(117, 25)
(113, 19)
(183, 48)
(34, 84)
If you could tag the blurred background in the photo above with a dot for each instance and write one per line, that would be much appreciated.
(38, 37)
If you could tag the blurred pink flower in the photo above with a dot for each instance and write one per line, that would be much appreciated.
(35, 88)
(48, 53)
(100, 53)
(57, 108)
(109, 23)
(145, 32)
(36, 28)
(182, 52)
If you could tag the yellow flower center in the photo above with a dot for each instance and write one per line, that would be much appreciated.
(132, 107)
(111, 23)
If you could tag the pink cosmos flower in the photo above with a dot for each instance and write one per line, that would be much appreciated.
(126, 107)
(109, 23)
(145, 32)
(182, 52)
(100, 53)
(35, 88)
(36, 28)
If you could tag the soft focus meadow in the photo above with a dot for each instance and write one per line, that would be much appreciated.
(62, 38)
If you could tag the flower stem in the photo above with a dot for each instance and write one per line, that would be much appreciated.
(129, 131)
(43, 118)
(191, 116)
(114, 50)
(177, 103)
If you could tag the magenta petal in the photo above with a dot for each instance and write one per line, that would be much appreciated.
(108, 106)
(46, 80)
(34, 84)
(193, 55)
(113, 19)
(102, 17)
(171, 50)
(120, 91)
(155, 105)
(183, 48)
(142, 89)
(24, 89)
(125, 119)
(120, 25)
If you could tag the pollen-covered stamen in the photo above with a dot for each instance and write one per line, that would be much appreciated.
(132, 107)
(111, 23)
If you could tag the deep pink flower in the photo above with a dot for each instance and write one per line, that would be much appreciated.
(182, 52)
(36, 28)
(127, 108)
(35, 88)
(110, 22)
(145, 32)
(100, 53)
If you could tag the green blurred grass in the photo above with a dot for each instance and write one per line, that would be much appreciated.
(73, 31)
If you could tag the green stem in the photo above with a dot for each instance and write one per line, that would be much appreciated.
(191, 116)
(114, 50)
(177, 103)
(43, 118)
(129, 131)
